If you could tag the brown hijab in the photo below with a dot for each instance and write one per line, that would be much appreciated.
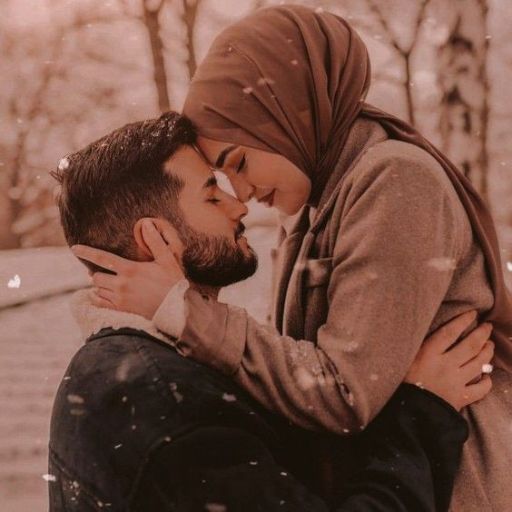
(291, 80)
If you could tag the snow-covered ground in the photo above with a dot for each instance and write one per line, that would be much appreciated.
(38, 336)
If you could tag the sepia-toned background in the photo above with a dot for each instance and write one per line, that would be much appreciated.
(73, 70)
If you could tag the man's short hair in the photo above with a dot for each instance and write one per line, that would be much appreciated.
(120, 178)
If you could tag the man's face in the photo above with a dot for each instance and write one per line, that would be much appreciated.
(216, 252)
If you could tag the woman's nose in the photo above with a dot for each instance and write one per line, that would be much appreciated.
(243, 190)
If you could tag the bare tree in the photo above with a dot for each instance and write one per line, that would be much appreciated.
(151, 19)
(18, 173)
(404, 52)
(30, 207)
(464, 83)
(189, 16)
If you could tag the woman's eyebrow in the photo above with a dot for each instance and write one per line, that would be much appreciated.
(223, 154)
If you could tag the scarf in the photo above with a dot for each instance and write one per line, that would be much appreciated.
(292, 80)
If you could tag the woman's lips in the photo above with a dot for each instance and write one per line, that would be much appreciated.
(268, 199)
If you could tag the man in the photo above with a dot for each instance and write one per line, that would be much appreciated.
(136, 426)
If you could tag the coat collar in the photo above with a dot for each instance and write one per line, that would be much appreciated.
(92, 319)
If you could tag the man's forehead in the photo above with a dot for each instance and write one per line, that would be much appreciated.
(187, 165)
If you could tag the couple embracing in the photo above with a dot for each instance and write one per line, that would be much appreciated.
(370, 391)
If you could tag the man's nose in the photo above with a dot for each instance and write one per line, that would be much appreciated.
(235, 209)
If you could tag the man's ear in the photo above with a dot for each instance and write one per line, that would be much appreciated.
(166, 231)
(171, 237)
(139, 239)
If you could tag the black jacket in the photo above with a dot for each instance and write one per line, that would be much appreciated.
(137, 427)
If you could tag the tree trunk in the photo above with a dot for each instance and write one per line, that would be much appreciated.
(152, 24)
(465, 91)
(189, 15)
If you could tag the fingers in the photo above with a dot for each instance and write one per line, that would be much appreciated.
(473, 369)
(154, 241)
(442, 339)
(101, 301)
(101, 258)
(102, 280)
(477, 391)
(471, 345)
(173, 241)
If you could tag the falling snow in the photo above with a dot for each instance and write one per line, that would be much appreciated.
(487, 368)
(75, 399)
(15, 282)
(215, 507)
(442, 264)
(266, 81)
(63, 164)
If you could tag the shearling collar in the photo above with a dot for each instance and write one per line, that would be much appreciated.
(91, 319)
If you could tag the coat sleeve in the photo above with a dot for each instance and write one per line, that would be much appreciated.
(398, 244)
(413, 452)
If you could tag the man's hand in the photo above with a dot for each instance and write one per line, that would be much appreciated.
(454, 373)
(137, 287)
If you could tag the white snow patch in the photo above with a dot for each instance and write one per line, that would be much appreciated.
(14, 282)
(63, 164)
(442, 264)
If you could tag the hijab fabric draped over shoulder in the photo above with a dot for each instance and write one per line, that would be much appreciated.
(292, 80)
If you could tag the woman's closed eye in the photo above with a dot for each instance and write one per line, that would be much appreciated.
(213, 200)
(242, 164)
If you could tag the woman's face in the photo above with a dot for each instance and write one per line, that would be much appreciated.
(269, 178)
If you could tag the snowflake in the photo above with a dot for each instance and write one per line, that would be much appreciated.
(49, 478)
(509, 266)
(294, 62)
(63, 164)
(247, 90)
(487, 368)
(442, 264)
(229, 397)
(75, 399)
(15, 282)
(215, 507)
(265, 81)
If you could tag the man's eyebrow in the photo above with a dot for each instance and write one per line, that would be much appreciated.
(223, 154)
(210, 182)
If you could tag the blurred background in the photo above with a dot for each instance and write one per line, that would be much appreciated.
(73, 70)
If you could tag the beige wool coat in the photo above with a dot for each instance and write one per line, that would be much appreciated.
(388, 258)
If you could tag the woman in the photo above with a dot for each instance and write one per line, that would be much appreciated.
(392, 240)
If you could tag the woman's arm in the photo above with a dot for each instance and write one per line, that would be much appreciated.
(399, 240)
(392, 265)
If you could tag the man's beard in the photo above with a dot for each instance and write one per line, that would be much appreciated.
(215, 260)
